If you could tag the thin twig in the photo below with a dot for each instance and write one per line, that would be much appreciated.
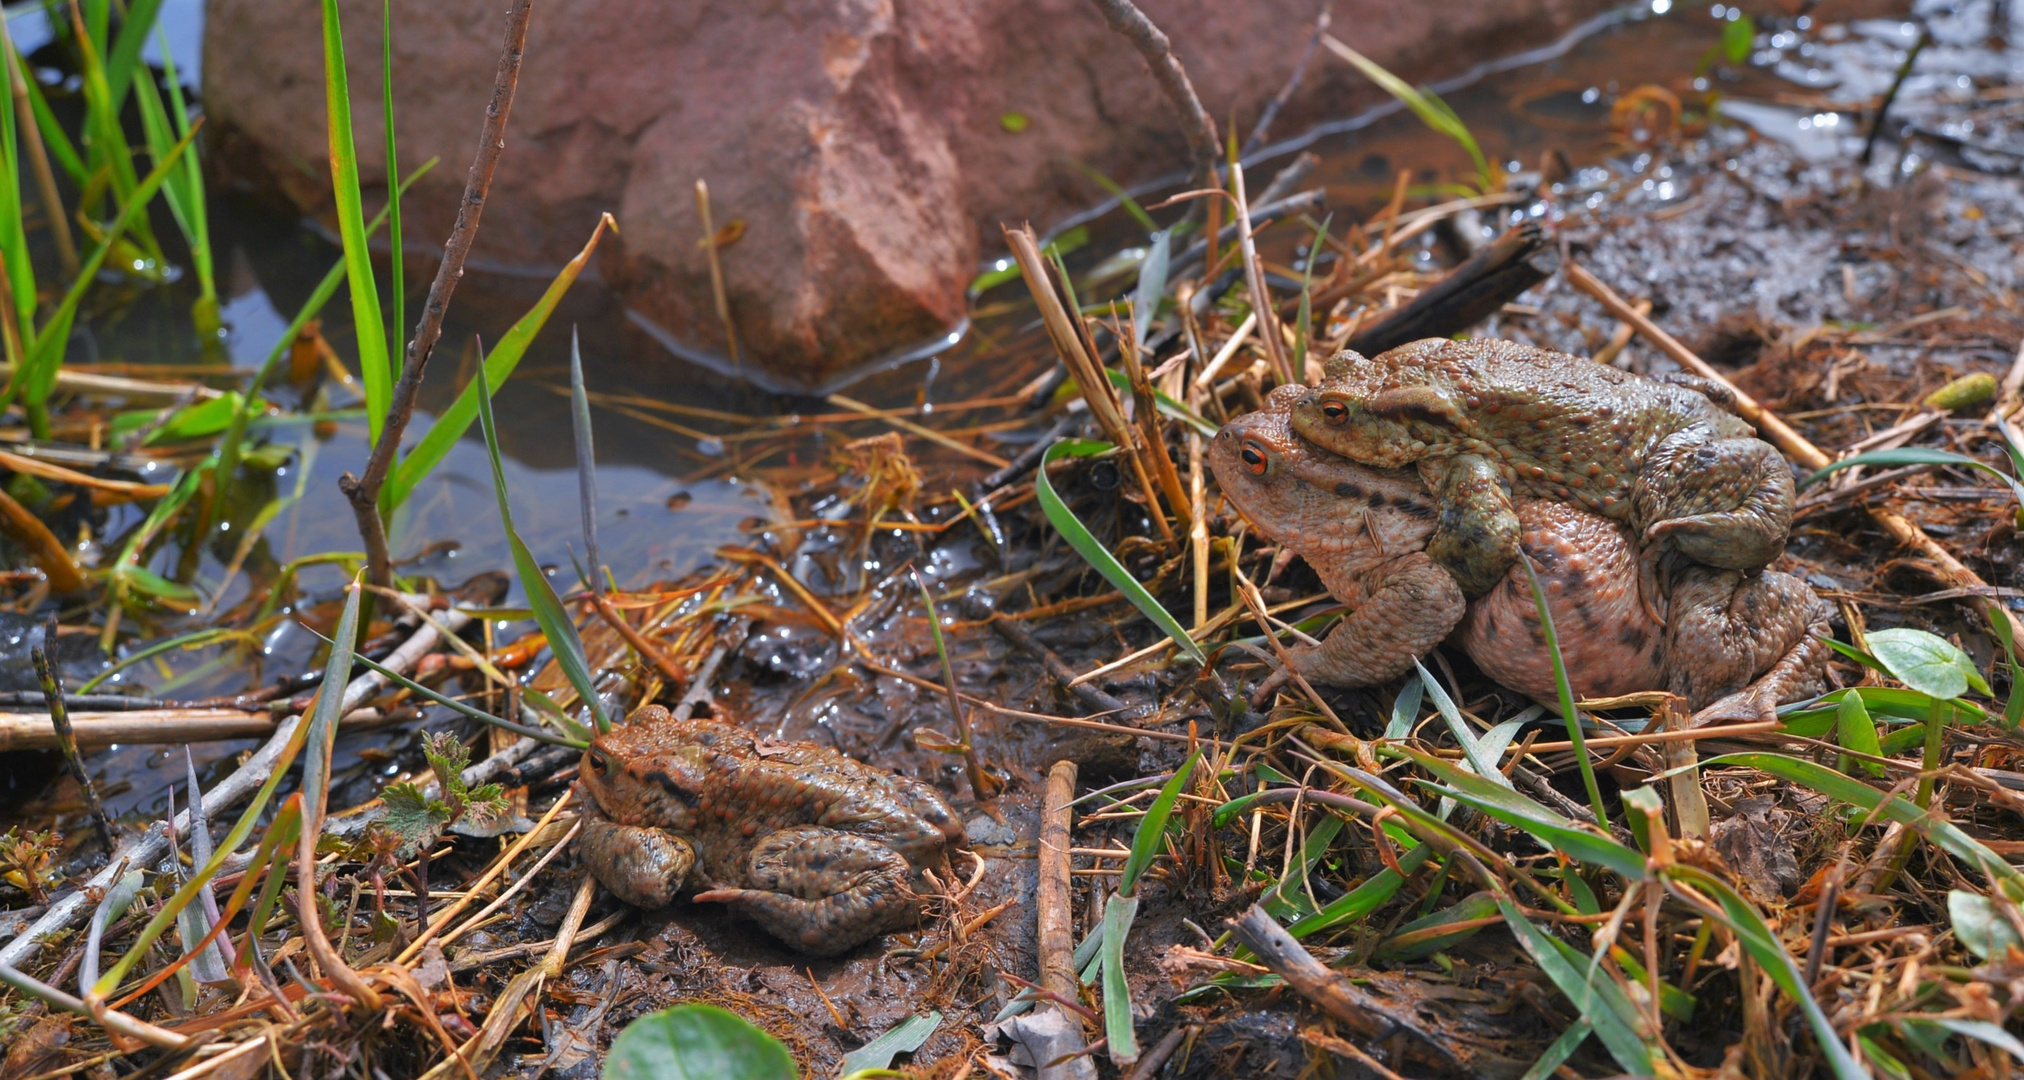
(59, 718)
(1200, 129)
(364, 493)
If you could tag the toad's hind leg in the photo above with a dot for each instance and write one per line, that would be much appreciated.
(1725, 502)
(823, 891)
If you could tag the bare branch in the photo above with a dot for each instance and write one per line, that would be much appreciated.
(364, 493)
(1125, 18)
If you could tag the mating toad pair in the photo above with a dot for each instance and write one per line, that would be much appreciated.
(1412, 481)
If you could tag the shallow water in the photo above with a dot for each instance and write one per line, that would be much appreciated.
(668, 498)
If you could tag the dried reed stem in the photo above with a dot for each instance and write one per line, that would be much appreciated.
(1254, 280)
(38, 158)
(27, 530)
(717, 293)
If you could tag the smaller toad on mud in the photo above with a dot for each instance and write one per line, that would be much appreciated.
(821, 850)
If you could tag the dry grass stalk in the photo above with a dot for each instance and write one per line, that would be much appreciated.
(1070, 336)
(20, 525)
(1254, 281)
(1145, 408)
(718, 296)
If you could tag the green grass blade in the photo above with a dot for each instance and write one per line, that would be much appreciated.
(1485, 765)
(1764, 946)
(1566, 693)
(1118, 1028)
(1150, 837)
(1303, 331)
(205, 312)
(375, 368)
(1168, 407)
(1405, 710)
(14, 262)
(1131, 205)
(105, 139)
(549, 613)
(1505, 804)
(1915, 455)
(477, 714)
(1563, 1048)
(1098, 556)
(192, 640)
(505, 356)
(586, 463)
(1602, 1003)
(54, 139)
(1424, 103)
(397, 327)
(184, 188)
(36, 377)
(1358, 903)
(123, 60)
(1856, 730)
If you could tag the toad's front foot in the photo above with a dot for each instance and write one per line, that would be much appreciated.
(823, 891)
(642, 866)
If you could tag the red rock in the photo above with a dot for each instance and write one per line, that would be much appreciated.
(861, 141)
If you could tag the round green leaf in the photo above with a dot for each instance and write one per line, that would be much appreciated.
(1926, 662)
(696, 1042)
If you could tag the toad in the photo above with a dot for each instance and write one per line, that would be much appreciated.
(822, 851)
(1662, 455)
(1734, 645)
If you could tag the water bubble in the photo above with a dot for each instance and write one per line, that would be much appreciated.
(1590, 96)
(1660, 7)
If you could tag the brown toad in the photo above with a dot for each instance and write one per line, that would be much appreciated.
(1660, 455)
(821, 850)
(1734, 645)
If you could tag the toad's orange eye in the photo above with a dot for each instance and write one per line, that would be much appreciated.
(1335, 412)
(1254, 459)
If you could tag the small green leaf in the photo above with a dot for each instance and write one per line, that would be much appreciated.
(1096, 554)
(1926, 662)
(1980, 925)
(411, 817)
(1857, 731)
(1014, 122)
(696, 1042)
(1737, 37)
(904, 1037)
